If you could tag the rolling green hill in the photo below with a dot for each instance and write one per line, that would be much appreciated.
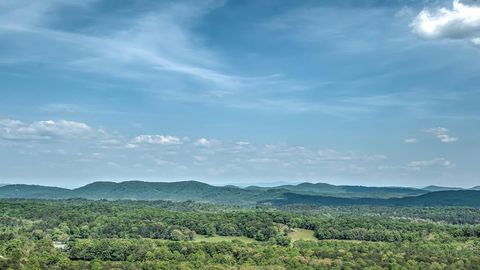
(175, 191)
(34, 192)
(346, 191)
(304, 193)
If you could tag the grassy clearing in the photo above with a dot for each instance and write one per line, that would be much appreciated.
(302, 234)
(218, 238)
(345, 241)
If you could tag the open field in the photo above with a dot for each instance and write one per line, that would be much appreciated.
(302, 234)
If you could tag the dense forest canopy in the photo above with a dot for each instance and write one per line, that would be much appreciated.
(83, 234)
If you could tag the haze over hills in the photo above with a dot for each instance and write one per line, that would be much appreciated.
(440, 188)
(304, 193)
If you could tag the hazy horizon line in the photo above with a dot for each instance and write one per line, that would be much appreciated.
(220, 184)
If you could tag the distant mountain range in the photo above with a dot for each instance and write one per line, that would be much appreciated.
(345, 191)
(304, 193)
(469, 198)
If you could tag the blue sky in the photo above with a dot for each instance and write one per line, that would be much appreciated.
(364, 92)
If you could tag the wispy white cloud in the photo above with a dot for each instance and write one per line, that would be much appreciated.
(69, 108)
(45, 130)
(62, 108)
(200, 158)
(242, 143)
(156, 139)
(411, 140)
(159, 47)
(321, 25)
(161, 50)
(24, 13)
(462, 22)
(262, 160)
(476, 41)
(421, 164)
(442, 134)
(203, 142)
(158, 41)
